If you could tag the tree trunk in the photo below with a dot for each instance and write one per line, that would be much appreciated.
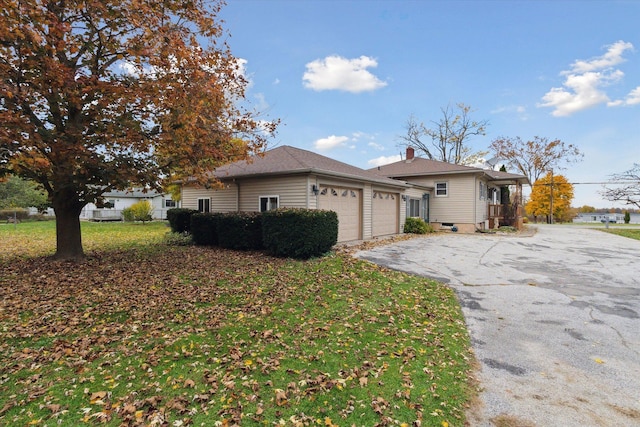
(68, 235)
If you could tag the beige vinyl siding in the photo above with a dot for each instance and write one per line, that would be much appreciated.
(459, 205)
(367, 208)
(222, 200)
(292, 192)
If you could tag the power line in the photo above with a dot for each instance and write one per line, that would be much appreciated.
(587, 183)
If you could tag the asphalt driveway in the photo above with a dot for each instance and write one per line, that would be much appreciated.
(554, 319)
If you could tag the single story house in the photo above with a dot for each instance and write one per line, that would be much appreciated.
(602, 217)
(369, 203)
(116, 201)
(468, 198)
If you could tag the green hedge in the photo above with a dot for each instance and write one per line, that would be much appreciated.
(180, 219)
(299, 233)
(204, 228)
(240, 230)
(417, 226)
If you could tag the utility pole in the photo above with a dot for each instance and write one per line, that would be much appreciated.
(551, 199)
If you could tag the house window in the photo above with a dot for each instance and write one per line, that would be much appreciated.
(168, 203)
(105, 204)
(268, 203)
(442, 189)
(204, 205)
(414, 208)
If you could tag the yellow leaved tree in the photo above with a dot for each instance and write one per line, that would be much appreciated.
(551, 197)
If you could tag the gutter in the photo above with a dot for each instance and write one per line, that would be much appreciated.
(385, 181)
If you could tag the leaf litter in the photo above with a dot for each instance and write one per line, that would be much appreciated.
(201, 336)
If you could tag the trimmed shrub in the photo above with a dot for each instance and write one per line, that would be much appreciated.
(204, 228)
(299, 233)
(180, 219)
(417, 226)
(240, 230)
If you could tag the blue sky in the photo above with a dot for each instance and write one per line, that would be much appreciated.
(344, 76)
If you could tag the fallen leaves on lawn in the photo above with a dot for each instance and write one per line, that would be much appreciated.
(137, 338)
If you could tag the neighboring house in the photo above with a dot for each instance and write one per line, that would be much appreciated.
(601, 217)
(464, 197)
(368, 203)
(116, 201)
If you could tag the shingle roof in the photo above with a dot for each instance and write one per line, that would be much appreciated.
(419, 167)
(505, 176)
(287, 160)
(425, 167)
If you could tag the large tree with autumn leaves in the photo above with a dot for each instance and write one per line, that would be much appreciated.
(551, 197)
(97, 95)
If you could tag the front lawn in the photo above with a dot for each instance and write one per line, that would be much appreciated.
(632, 233)
(150, 334)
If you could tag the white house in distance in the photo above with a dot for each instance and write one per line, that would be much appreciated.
(117, 201)
(369, 203)
(602, 217)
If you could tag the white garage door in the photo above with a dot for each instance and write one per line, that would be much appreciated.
(385, 213)
(346, 203)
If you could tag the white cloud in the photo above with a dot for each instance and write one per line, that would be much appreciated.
(376, 146)
(584, 82)
(261, 103)
(338, 73)
(611, 58)
(584, 91)
(520, 110)
(330, 142)
(634, 97)
(384, 160)
(357, 135)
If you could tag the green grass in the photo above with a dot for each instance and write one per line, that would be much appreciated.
(143, 333)
(38, 238)
(629, 232)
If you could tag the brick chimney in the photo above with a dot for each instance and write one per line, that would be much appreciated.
(410, 153)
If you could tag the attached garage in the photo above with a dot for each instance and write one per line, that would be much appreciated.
(385, 213)
(346, 202)
(367, 204)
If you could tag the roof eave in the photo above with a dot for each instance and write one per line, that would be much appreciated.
(388, 181)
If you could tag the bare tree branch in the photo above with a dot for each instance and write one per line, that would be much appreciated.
(628, 193)
(449, 136)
